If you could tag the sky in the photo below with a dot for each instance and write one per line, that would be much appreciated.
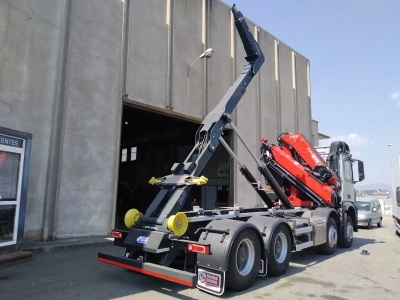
(354, 52)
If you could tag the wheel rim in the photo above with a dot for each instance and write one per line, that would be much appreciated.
(350, 232)
(332, 236)
(245, 256)
(280, 247)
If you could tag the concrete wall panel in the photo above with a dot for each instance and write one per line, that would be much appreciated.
(247, 122)
(269, 97)
(286, 91)
(86, 192)
(314, 133)
(187, 47)
(220, 66)
(93, 98)
(303, 100)
(29, 47)
(148, 52)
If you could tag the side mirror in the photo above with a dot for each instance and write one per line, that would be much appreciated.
(374, 209)
(361, 175)
(360, 169)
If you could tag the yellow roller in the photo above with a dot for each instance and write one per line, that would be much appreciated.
(178, 223)
(131, 217)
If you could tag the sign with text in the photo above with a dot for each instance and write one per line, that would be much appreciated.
(211, 281)
(10, 141)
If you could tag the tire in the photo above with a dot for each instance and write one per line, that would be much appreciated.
(331, 238)
(244, 260)
(380, 223)
(280, 251)
(346, 242)
(369, 224)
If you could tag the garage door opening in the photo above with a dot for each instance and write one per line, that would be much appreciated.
(150, 144)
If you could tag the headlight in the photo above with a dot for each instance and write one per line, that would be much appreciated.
(360, 217)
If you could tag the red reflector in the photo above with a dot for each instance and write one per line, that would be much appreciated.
(116, 234)
(203, 249)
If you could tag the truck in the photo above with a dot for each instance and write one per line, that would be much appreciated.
(395, 195)
(312, 205)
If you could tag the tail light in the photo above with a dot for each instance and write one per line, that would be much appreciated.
(203, 249)
(116, 234)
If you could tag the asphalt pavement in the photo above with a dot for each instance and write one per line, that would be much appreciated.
(369, 270)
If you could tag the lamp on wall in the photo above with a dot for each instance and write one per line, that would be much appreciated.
(206, 54)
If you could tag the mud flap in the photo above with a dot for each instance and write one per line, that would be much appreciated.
(211, 281)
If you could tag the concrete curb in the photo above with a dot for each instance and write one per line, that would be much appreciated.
(62, 245)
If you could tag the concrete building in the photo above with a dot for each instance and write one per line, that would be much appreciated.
(316, 136)
(103, 88)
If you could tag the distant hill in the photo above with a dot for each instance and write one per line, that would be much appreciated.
(373, 186)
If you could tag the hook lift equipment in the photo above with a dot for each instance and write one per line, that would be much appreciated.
(231, 246)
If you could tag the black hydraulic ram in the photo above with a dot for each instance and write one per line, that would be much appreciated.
(173, 193)
(275, 186)
(246, 172)
(256, 185)
(280, 172)
(263, 170)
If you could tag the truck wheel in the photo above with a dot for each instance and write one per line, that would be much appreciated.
(331, 238)
(380, 222)
(280, 251)
(369, 224)
(244, 260)
(347, 241)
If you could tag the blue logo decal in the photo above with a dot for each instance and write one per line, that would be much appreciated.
(142, 240)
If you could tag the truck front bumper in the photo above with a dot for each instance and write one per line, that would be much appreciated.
(174, 275)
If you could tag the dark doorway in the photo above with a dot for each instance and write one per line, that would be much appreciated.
(150, 144)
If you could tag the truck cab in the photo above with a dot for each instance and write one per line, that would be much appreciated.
(348, 170)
